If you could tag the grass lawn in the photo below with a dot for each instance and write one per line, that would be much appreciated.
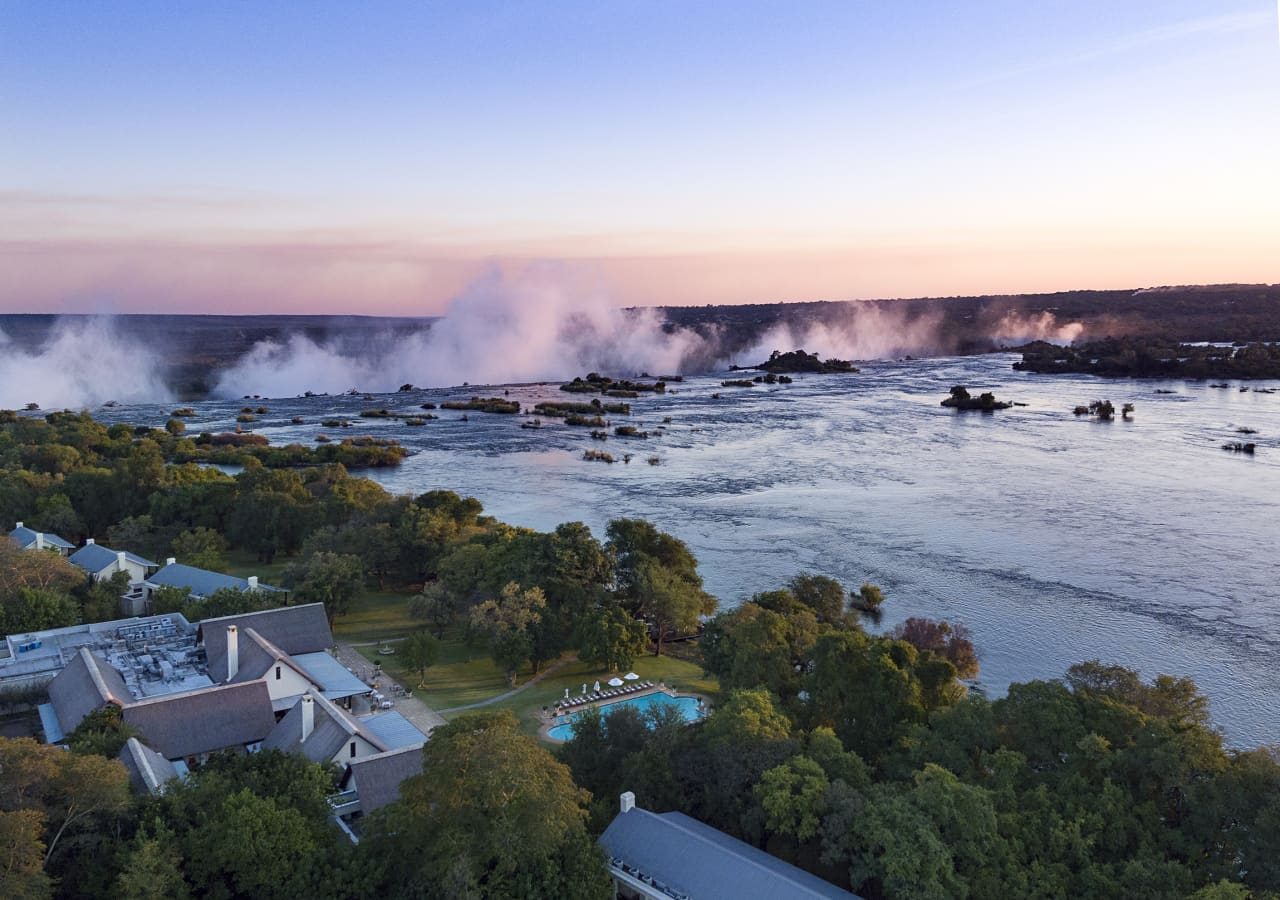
(376, 616)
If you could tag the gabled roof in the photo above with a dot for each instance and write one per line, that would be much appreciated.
(294, 629)
(27, 536)
(201, 582)
(94, 558)
(696, 860)
(258, 655)
(331, 729)
(148, 770)
(377, 778)
(195, 722)
(84, 685)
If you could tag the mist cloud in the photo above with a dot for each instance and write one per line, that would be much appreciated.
(83, 362)
(1016, 328)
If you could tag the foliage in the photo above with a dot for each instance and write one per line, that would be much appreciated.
(102, 732)
(419, 651)
(492, 815)
(201, 547)
(611, 637)
(333, 579)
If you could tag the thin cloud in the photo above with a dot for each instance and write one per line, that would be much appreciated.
(1232, 23)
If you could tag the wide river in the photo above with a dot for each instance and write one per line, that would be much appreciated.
(1055, 539)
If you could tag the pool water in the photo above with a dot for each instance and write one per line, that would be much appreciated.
(688, 707)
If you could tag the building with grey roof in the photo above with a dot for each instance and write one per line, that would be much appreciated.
(324, 732)
(149, 772)
(197, 723)
(294, 629)
(30, 539)
(101, 562)
(86, 684)
(669, 856)
(201, 582)
(371, 782)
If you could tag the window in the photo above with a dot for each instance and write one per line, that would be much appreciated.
(277, 673)
(353, 749)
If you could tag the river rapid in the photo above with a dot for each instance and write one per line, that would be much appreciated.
(1054, 538)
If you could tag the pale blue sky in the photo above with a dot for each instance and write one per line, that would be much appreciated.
(287, 155)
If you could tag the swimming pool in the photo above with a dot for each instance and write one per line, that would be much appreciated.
(688, 707)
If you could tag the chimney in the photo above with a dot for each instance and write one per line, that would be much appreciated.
(233, 651)
(120, 564)
(253, 582)
(308, 716)
(171, 561)
(628, 801)
(39, 540)
(89, 542)
(17, 526)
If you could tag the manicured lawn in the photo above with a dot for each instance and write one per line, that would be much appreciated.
(376, 616)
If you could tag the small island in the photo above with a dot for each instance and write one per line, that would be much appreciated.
(1152, 358)
(961, 399)
(798, 361)
(595, 383)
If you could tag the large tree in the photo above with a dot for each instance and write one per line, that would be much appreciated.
(611, 637)
(493, 815)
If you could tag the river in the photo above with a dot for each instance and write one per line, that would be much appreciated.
(1055, 539)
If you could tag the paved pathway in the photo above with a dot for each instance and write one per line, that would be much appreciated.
(511, 693)
(411, 708)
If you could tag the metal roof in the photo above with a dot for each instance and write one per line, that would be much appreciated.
(201, 582)
(693, 859)
(27, 536)
(332, 677)
(93, 558)
(394, 729)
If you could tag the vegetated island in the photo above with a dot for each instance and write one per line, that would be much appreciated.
(961, 399)
(595, 383)
(1152, 358)
(798, 361)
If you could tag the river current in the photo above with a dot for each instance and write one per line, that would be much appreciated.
(1054, 538)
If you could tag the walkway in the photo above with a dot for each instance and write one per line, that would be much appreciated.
(413, 709)
(511, 693)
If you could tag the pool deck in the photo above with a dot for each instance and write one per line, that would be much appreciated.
(551, 720)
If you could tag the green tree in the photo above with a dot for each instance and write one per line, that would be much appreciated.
(493, 815)
(333, 579)
(201, 547)
(793, 796)
(435, 607)
(419, 651)
(22, 852)
(102, 732)
(153, 868)
(507, 620)
(611, 637)
(35, 609)
(672, 601)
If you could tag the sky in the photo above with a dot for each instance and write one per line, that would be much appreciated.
(379, 158)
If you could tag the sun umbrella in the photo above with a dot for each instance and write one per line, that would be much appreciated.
(631, 676)
(615, 682)
(597, 687)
